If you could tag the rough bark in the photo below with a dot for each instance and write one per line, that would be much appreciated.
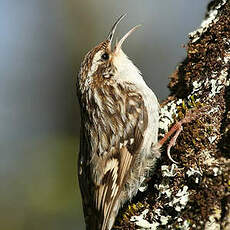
(193, 194)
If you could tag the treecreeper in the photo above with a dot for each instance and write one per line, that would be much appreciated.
(119, 131)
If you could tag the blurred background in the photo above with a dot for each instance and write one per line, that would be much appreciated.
(42, 43)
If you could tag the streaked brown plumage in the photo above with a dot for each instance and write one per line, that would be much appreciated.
(119, 128)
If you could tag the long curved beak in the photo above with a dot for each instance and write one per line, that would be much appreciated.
(119, 44)
(111, 33)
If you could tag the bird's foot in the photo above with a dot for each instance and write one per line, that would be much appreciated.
(178, 127)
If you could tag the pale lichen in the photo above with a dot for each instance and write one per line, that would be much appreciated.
(142, 223)
(211, 18)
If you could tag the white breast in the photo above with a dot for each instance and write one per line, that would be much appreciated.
(128, 72)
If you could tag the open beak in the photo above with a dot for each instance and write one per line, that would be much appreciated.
(111, 34)
(119, 44)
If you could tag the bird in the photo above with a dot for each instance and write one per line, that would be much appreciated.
(118, 131)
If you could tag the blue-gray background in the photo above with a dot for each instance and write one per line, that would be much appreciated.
(41, 45)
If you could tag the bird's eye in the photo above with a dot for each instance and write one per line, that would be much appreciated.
(105, 56)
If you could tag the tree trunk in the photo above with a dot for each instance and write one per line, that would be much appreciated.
(193, 194)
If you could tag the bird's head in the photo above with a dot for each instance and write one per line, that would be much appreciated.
(104, 62)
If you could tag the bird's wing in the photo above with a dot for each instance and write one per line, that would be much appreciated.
(132, 119)
(119, 141)
(107, 194)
